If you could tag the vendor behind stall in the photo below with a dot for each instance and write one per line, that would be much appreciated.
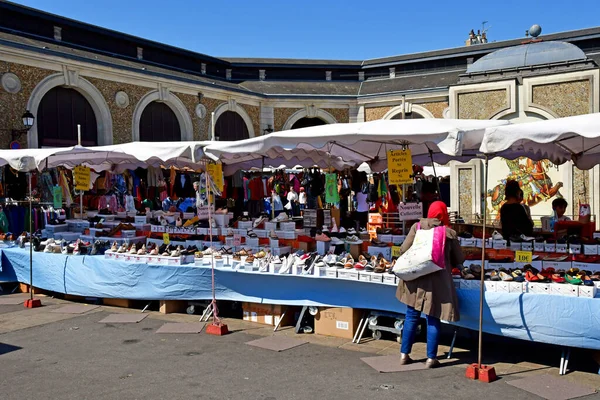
(513, 216)
(559, 206)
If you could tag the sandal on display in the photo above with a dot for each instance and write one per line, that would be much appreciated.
(349, 262)
(142, 250)
(573, 276)
(504, 276)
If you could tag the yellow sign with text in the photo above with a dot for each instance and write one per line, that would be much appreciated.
(396, 251)
(523, 256)
(399, 167)
(216, 174)
(166, 239)
(81, 175)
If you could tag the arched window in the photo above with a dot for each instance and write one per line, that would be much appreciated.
(410, 115)
(306, 122)
(231, 126)
(159, 124)
(58, 115)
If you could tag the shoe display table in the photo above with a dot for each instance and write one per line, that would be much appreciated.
(558, 320)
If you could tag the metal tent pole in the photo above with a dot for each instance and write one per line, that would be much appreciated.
(30, 241)
(81, 191)
(482, 288)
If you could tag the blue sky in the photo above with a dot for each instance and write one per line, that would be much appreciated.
(330, 29)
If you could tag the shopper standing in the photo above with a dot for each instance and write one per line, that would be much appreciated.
(433, 294)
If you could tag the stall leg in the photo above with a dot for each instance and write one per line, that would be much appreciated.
(565, 367)
(280, 320)
(298, 328)
(363, 320)
(452, 344)
(363, 329)
(562, 362)
(145, 308)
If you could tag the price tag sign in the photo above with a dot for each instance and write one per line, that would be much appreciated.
(395, 251)
(166, 239)
(523, 256)
(82, 178)
(237, 240)
(399, 167)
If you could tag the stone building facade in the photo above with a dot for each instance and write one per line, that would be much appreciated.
(135, 89)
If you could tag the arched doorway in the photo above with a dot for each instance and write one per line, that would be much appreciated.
(158, 123)
(410, 115)
(231, 126)
(58, 115)
(307, 122)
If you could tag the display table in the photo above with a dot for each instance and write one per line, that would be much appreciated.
(559, 320)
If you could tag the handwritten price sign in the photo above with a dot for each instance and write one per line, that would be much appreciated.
(399, 167)
(523, 256)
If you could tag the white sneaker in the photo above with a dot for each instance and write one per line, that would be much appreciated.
(342, 230)
(335, 241)
(280, 218)
(351, 231)
(258, 221)
(497, 236)
(325, 228)
(353, 240)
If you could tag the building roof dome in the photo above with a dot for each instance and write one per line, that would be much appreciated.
(536, 53)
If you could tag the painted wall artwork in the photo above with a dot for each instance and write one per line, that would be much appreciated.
(540, 181)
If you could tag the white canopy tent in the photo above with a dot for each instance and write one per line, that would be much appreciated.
(445, 139)
(558, 140)
(114, 157)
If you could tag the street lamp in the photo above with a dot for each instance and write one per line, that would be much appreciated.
(28, 120)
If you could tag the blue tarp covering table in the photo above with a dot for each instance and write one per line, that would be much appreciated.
(560, 320)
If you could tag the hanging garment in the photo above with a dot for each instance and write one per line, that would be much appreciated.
(331, 189)
(183, 186)
(129, 203)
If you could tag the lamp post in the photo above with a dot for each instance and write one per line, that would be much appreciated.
(27, 120)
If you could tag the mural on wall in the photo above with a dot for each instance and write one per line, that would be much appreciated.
(539, 181)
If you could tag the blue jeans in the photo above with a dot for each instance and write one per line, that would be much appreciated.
(411, 323)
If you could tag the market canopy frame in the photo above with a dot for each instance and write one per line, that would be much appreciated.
(355, 143)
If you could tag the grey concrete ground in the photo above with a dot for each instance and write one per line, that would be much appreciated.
(47, 355)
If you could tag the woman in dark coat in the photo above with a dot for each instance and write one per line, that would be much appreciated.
(433, 294)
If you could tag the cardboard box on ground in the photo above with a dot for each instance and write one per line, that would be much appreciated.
(269, 314)
(338, 322)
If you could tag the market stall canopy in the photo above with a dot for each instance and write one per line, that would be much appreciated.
(558, 140)
(114, 157)
(361, 142)
(276, 159)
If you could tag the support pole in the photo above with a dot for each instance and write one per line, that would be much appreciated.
(30, 241)
(216, 328)
(482, 289)
(31, 303)
(81, 191)
(212, 126)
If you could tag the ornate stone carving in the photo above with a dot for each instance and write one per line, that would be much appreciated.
(11, 83)
(121, 99)
(200, 111)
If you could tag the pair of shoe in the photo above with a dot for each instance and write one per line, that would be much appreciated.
(430, 363)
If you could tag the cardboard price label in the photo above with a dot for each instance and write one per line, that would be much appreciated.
(395, 251)
(399, 167)
(410, 211)
(237, 240)
(166, 239)
(523, 257)
(81, 175)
